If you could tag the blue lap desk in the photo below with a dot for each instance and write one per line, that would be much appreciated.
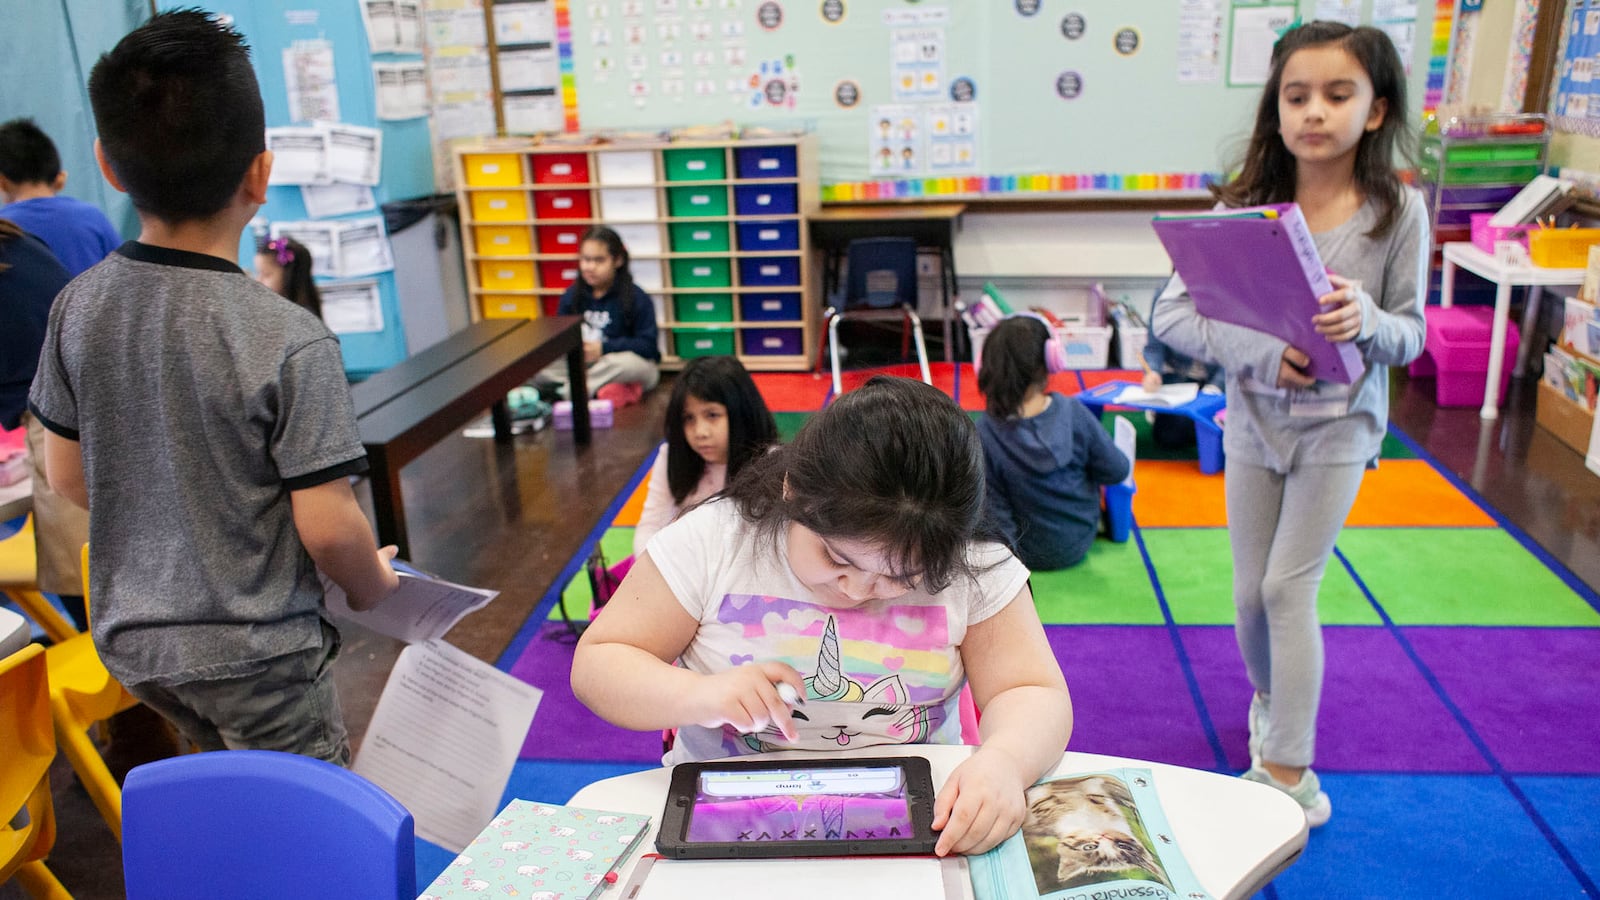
(1202, 409)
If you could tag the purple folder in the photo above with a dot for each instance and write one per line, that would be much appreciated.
(1261, 271)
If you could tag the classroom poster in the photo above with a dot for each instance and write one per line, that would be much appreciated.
(1255, 30)
(1346, 11)
(896, 144)
(308, 76)
(459, 79)
(351, 307)
(952, 130)
(916, 63)
(1200, 34)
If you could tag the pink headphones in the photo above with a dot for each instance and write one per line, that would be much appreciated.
(1055, 353)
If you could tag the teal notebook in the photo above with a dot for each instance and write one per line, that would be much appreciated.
(540, 850)
(1089, 835)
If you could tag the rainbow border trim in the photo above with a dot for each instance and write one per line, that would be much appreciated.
(569, 82)
(993, 185)
(1444, 16)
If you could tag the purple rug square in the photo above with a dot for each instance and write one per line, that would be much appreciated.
(564, 728)
(1129, 696)
(1532, 694)
(1378, 712)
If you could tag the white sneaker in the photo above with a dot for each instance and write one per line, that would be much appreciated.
(1259, 706)
(1308, 793)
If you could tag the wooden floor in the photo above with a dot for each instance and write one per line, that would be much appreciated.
(511, 516)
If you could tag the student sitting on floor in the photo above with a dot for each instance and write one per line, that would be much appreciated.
(1164, 365)
(849, 567)
(207, 425)
(1045, 455)
(619, 324)
(31, 181)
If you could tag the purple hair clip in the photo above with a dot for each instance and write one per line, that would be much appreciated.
(282, 251)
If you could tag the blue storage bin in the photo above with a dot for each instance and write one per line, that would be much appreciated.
(773, 341)
(770, 307)
(783, 234)
(769, 271)
(765, 162)
(766, 199)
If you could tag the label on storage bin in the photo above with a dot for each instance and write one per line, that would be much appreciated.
(702, 344)
(701, 271)
(771, 305)
(569, 274)
(561, 202)
(771, 270)
(705, 306)
(699, 199)
(506, 274)
(497, 204)
(501, 239)
(696, 165)
(561, 169)
(767, 164)
(489, 168)
(763, 199)
(569, 237)
(772, 342)
(767, 234)
(702, 235)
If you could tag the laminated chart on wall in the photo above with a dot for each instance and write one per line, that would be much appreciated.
(525, 36)
(393, 26)
(459, 81)
(309, 77)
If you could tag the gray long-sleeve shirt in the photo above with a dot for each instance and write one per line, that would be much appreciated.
(1326, 424)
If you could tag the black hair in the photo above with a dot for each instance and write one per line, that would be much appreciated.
(298, 284)
(8, 230)
(622, 287)
(179, 114)
(1013, 361)
(894, 463)
(751, 429)
(1268, 172)
(27, 155)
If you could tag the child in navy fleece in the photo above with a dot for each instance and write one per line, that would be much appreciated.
(1045, 454)
(619, 330)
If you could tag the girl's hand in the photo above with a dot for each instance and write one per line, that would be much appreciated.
(746, 697)
(1341, 320)
(980, 805)
(1152, 381)
(1292, 370)
(591, 351)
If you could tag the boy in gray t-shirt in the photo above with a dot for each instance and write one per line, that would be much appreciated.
(203, 419)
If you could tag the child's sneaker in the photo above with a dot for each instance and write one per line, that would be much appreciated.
(621, 393)
(1308, 793)
(1258, 727)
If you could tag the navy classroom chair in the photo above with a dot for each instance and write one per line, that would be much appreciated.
(881, 284)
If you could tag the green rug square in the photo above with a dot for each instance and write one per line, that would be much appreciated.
(1195, 568)
(617, 545)
(1110, 587)
(789, 424)
(1461, 576)
(1394, 448)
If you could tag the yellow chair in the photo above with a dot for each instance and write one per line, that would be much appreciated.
(19, 580)
(27, 816)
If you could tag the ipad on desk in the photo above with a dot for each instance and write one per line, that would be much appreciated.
(766, 809)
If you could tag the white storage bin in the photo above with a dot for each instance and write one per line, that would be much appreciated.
(1130, 345)
(641, 240)
(619, 167)
(1087, 346)
(647, 273)
(628, 204)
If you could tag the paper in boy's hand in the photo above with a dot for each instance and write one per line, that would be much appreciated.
(423, 608)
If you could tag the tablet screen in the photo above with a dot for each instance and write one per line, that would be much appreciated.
(866, 803)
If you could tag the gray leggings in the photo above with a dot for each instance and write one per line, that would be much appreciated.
(1282, 529)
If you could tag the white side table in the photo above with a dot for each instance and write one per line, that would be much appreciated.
(1505, 277)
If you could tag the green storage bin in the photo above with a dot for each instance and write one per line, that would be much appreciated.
(699, 237)
(1484, 173)
(691, 342)
(703, 307)
(696, 164)
(685, 202)
(1494, 153)
(702, 273)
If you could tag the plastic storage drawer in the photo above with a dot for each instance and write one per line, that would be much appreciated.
(765, 162)
(703, 308)
(502, 240)
(684, 202)
(510, 306)
(773, 341)
(628, 205)
(768, 236)
(647, 273)
(701, 273)
(766, 199)
(699, 237)
(561, 168)
(492, 169)
(560, 238)
(627, 167)
(499, 206)
(773, 271)
(770, 307)
(692, 342)
(558, 273)
(696, 164)
(562, 205)
(641, 240)
(507, 275)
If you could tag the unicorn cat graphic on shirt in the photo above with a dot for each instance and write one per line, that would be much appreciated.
(841, 712)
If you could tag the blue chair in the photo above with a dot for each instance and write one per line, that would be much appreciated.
(882, 285)
(262, 824)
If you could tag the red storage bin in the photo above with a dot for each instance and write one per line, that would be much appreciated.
(561, 205)
(560, 168)
(560, 238)
(557, 273)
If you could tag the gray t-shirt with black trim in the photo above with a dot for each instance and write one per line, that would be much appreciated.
(200, 400)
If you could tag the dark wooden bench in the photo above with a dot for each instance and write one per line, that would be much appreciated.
(408, 408)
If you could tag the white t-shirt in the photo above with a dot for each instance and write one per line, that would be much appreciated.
(886, 672)
(659, 507)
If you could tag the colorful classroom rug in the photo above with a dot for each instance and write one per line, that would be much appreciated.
(1460, 729)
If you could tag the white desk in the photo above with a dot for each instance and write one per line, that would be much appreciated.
(1505, 278)
(1235, 834)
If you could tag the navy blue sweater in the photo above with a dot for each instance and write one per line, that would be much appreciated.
(634, 331)
(28, 288)
(1044, 476)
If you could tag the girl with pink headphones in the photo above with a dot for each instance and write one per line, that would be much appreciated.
(1045, 455)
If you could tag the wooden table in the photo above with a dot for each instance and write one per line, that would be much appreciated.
(408, 408)
(932, 225)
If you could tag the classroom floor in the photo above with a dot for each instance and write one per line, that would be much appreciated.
(1471, 550)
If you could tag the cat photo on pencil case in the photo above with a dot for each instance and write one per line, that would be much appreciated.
(1258, 267)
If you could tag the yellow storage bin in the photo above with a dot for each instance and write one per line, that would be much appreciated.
(510, 306)
(1561, 248)
(503, 240)
(511, 275)
(499, 206)
(492, 169)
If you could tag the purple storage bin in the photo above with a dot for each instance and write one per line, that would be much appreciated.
(770, 307)
(773, 341)
(769, 271)
(764, 162)
(783, 234)
(766, 199)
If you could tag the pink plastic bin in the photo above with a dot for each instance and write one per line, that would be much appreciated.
(1485, 235)
(1456, 352)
